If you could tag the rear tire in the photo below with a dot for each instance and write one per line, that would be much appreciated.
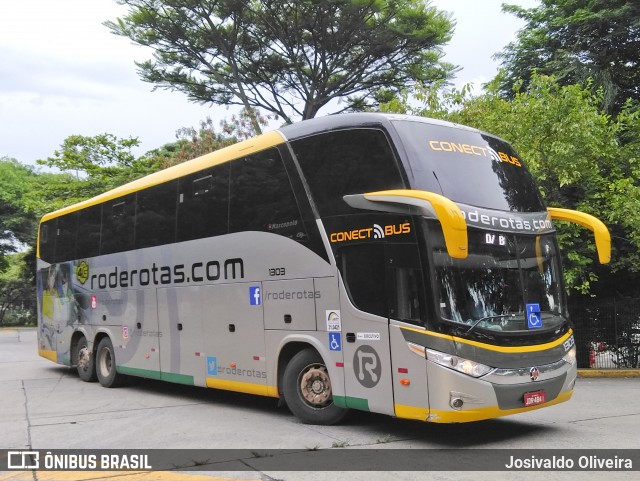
(84, 361)
(307, 390)
(106, 365)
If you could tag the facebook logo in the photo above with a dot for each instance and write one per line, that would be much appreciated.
(255, 298)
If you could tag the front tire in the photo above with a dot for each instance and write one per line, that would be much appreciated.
(84, 361)
(307, 390)
(106, 365)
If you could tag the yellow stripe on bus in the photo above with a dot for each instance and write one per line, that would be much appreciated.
(51, 355)
(480, 414)
(490, 347)
(244, 387)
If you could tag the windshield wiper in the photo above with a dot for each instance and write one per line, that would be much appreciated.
(486, 318)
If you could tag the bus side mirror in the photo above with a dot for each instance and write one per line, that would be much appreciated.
(421, 202)
(600, 231)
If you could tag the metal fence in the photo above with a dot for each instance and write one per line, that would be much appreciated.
(607, 332)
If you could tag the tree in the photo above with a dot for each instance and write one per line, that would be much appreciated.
(18, 224)
(17, 221)
(90, 166)
(103, 156)
(582, 159)
(192, 142)
(17, 289)
(289, 58)
(575, 40)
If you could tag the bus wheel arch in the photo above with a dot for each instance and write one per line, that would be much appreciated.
(105, 363)
(83, 358)
(306, 386)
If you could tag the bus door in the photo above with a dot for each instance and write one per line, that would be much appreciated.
(365, 327)
(182, 348)
(407, 313)
(135, 313)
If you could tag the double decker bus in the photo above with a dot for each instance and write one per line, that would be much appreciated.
(385, 263)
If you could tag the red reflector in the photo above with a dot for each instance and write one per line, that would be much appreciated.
(339, 364)
(403, 370)
(256, 358)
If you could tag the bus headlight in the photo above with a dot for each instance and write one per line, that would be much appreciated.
(465, 366)
(570, 356)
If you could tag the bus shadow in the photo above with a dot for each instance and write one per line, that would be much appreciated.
(207, 395)
(445, 436)
(381, 428)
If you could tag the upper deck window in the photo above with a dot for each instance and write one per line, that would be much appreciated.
(468, 167)
(345, 162)
(261, 197)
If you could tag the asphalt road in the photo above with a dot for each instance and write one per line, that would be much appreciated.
(46, 406)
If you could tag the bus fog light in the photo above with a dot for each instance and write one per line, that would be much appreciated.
(465, 366)
(457, 403)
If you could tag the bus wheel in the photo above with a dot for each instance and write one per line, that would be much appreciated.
(84, 361)
(307, 390)
(106, 364)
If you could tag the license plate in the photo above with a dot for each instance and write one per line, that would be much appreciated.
(533, 398)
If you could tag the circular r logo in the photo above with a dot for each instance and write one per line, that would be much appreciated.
(366, 366)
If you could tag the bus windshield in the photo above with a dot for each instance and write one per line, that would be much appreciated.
(491, 288)
(468, 167)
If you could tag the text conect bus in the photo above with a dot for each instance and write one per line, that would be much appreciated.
(391, 264)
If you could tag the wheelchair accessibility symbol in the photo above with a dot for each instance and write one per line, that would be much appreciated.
(534, 320)
(335, 341)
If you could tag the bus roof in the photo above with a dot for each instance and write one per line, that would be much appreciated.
(256, 144)
(355, 120)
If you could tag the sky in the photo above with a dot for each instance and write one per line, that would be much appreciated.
(63, 73)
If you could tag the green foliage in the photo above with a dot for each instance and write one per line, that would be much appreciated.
(17, 291)
(582, 158)
(89, 166)
(289, 58)
(193, 142)
(575, 40)
(17, 221)
(103, 156)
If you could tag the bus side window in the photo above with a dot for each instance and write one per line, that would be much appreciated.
(156, 215)
(118, 225)
(88, 240)
(405, 284)
(262, 198)
(344, 162)
(203, 204)
(48, 240)
(66, 237)
(363, 271)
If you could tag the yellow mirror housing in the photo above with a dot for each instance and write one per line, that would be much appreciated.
(454, 227)
(603, 238)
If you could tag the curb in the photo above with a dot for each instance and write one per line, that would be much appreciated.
(609, 373)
